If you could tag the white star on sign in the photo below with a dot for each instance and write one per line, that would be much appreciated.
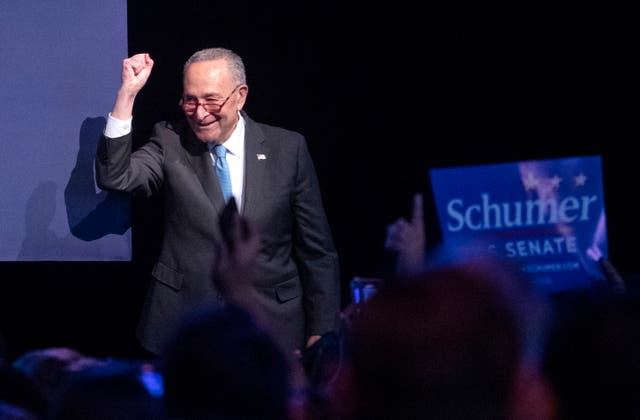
(580, 180)
(555, 181)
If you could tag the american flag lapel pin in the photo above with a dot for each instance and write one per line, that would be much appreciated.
(261, 156)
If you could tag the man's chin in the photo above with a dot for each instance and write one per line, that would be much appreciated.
(205, 139)
(206, 135)
(211, 132)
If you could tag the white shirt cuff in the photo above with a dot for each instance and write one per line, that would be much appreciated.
(117, 128)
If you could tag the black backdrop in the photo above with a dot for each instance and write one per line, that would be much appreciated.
(383, 93)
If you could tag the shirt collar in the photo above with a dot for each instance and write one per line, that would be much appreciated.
(235, 142)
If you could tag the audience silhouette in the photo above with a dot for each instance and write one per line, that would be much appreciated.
(51, 368)
(592, 357)
(114, 390)
(20, 394)
(221, 365)
(452, 334)
(448, 343)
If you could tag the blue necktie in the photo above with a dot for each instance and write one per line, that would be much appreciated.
(222, 170)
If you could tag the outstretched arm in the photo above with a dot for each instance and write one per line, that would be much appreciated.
(115, 166)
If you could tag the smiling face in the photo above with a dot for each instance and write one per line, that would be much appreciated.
(212, 82)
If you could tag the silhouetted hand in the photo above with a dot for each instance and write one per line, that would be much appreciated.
(407, 239)
(236, 266)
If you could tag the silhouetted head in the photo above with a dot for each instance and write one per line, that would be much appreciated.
(446, 344)
(114, 390)
(220, 364)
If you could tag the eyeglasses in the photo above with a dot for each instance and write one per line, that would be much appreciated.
(212, 106)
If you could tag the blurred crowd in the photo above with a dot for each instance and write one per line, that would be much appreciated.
(450, 335)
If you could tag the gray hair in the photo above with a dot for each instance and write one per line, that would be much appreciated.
(234, 61)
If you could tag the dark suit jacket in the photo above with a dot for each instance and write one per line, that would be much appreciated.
(298, 277)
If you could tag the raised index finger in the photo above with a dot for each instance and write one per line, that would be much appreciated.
(417, 215)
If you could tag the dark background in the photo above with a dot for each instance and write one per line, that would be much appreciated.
(382, 92)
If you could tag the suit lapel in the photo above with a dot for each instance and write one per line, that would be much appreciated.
(254, 166)
(199, 158)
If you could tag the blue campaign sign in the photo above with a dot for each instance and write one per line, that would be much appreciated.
(547, 216)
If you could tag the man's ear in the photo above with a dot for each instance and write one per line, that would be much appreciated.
(243, 91)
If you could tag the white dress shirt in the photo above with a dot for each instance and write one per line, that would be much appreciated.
(235, 159)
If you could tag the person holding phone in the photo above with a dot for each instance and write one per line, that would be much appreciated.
(273, 182)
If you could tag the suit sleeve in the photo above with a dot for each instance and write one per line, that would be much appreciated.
(120, 169)
(314, 250)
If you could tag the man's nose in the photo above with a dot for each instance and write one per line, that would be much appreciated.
(201, 112)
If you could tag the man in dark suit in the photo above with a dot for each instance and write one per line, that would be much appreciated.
(273, 179)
